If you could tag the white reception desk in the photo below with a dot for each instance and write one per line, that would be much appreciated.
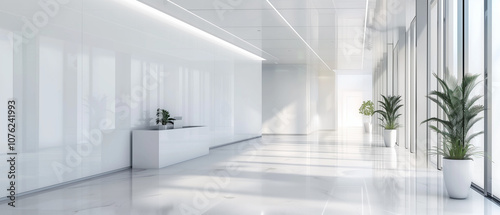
(160, 148)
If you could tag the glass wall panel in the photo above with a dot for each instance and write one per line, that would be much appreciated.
(475, 65)
(411, 82)
(401, 87)
(6, 78)
(495, 76)
(451, 29)
(433, 69)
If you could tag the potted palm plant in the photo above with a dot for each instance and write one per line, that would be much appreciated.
(367, 109)
(390, 106)
(163, 119)
(461, 113)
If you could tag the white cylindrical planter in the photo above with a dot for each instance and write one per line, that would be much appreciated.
(367, 123)
(457, 177)
(390, 137)
(368, 127)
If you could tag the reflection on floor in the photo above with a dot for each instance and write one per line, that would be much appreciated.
(345, 172)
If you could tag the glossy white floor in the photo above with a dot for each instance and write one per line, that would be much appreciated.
(344, 172)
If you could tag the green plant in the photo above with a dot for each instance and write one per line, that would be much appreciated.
(461, 113)
(163, 117)
(389, 113)
(367, 108)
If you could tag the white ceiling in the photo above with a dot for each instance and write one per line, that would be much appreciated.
(334, 29)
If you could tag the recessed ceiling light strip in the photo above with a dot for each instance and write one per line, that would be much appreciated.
(216, 26)
(293, 29)
(153, 12)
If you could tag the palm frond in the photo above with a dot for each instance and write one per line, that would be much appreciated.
(461, 113)
(163, 117)
(390, 106)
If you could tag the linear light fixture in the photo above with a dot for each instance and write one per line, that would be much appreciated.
(153, 12)
(293, 29)
(216, 26)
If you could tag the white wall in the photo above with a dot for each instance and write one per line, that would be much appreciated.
(97, 69)
(285, 102)
(352, 91)
(327, 101)
(298, 99)
(6, 79)
(247, 100)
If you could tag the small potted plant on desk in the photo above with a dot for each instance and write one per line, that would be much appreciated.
(367, 110)
(163, 119)
(461, 113)
(389, 118)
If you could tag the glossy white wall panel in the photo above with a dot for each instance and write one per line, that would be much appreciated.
(173, 83)
(223, 88)
(247, 98)
(102, 74)
(115, 150)
(285, 100)
(6, 89)
(98, 70)
(327, 107)
(6, 79)
(51, 78)
(290, 97)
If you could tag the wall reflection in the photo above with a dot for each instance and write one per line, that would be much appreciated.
(97, 70)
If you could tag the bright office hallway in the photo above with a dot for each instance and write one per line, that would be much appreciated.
(252, 107)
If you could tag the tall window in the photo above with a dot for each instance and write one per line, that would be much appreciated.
(433, 69)
(475, 65)
(451, 29)
(495, 76)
